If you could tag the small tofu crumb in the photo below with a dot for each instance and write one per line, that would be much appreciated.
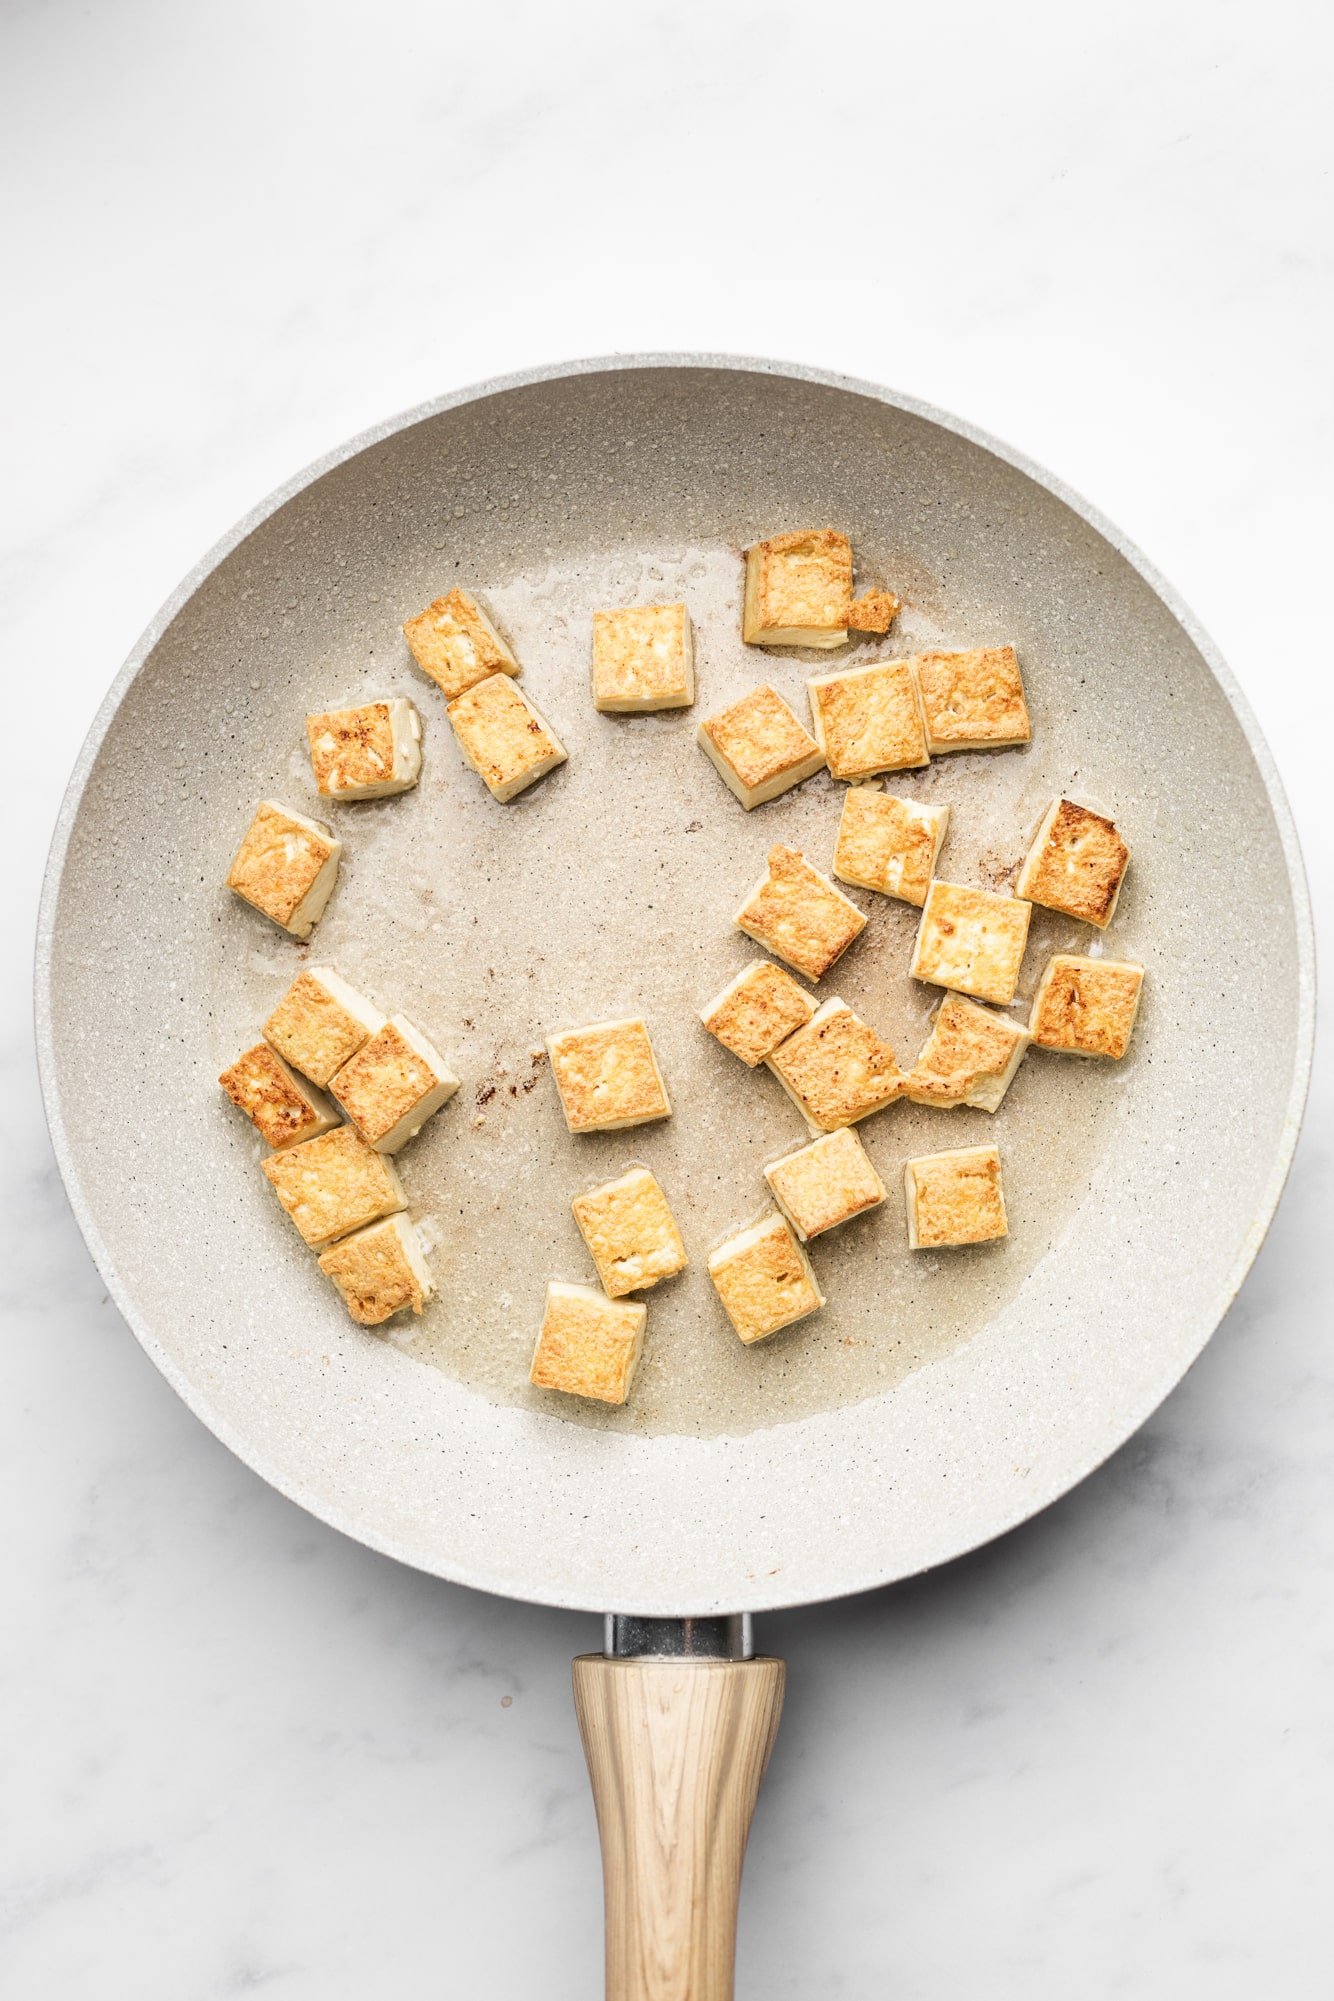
(588, 1346)
(319, 1022)
(837, 1070)
(393, 1084)
(955, 1198)
(873, 611)
(286, 867)
(971, 940)
(631, 1233)
(456, 645)
(503, 737)
(607, 1076)
(1076, 864)
(889, 844)
(756, 1011)
(825, 1183)
(367, 752)
(278, 1105)
(758, 747)
(1087, 1007)
(797, 914)
(333, 1185)
(764, 1279)
(972, 700)
(798, 590)
(379, 1271)
(643, 658)
(969, 1058)
(869, 719)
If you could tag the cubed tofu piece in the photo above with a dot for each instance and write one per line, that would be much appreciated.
(333, 1185)
(503, 737)
(889, 844)
(277, 1104)
(764, 1279)
(1076, 864)
(1086, 1007)
(392, 1085)
(319, 1022)
(837, 1070)
(971, 940)
(456, 646)
(286, 867)
(825, 1183)
(643, 658)
(972, 700)
(589, 1346)
(798, 590)
(954, 1198)
(607, 1076)
(969, 1058)
(757, 1010)
(631, 1233)
(797, 914)
(379, 1271)
(869, 719)
(759, 747)
(873, 611)
(366, 752)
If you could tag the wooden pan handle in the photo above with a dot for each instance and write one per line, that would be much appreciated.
(676, 1750)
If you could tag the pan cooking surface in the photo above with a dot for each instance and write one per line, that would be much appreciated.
(609, 890)
(936, 1398)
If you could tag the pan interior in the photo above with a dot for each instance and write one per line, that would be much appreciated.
(609, 891)
(946, 1394)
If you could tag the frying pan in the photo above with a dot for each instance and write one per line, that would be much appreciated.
(939, 1399)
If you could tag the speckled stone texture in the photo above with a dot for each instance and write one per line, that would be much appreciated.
(936, 1400)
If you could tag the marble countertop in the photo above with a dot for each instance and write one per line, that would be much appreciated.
(239, 1752)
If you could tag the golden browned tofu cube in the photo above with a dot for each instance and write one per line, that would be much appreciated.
(873, 611)
(954, 1198)
(972, 700)
(824, 1184)
(589, 1345)
(379, 1271)
(366, 752)
(889, 844)
(278, 1105)
(764, 1279)
(631, 1233)
(1086, 1007)
(798, 590)
(758, 747)
(503, 737)
(797, 914)
(971, 940)
(455, 644)
(869, 719)
(643, 658)
(837, 1070)
(607, 1076)
(969, 1058)
(286, 867)
(393, 1084)
(757, 1010)
(333, 1185)
(319, 1022)
(1076, 864)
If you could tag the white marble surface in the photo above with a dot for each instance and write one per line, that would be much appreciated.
(239, 1752)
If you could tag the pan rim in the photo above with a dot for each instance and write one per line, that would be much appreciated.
(197, 1400)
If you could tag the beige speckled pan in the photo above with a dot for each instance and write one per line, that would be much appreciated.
(938, 1400)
